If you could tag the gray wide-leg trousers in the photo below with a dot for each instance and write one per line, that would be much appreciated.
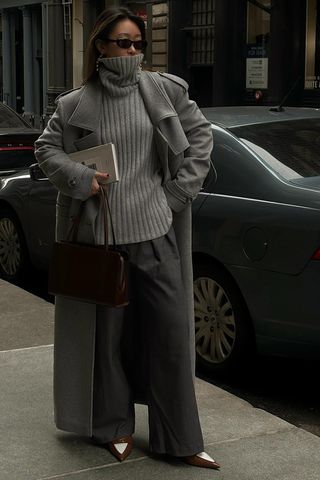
(156, 321)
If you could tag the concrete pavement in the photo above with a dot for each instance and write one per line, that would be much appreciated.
(250, 443)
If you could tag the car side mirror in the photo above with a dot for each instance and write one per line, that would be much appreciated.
(36, 173)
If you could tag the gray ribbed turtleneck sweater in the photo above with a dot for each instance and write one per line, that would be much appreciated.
(138, 204)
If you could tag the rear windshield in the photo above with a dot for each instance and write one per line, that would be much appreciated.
(8, 119)
(292, 148)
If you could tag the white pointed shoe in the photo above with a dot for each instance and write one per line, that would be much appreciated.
(121, 447)
(201, 459)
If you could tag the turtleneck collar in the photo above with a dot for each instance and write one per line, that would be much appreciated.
(120, 75)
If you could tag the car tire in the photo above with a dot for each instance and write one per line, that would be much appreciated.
(223, 329)
(13, 252)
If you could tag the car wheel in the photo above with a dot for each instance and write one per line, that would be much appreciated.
(223, 332)
(13, 252)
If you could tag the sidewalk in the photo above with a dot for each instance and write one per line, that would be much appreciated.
(250, 443)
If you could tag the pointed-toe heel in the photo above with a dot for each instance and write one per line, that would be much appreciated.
(201, 460)
(121, 447)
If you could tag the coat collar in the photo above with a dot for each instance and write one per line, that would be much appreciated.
(87, 113)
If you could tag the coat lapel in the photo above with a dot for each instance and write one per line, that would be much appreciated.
(162, 114)
(87, 115)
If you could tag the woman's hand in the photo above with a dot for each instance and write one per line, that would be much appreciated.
(99, 177)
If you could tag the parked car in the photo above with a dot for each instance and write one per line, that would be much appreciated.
(16, 141)
(256, 235)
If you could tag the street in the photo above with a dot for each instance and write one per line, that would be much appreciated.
(283, 387)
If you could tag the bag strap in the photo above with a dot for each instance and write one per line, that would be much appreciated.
(104, 199)
(105, 205)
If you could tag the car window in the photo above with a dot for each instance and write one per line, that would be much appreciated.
(239, 172)
(294, 143)
(8, 119)
(273, 162)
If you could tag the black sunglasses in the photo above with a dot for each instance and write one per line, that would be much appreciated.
(126, 43)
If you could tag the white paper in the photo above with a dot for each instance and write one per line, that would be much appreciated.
(102, 158)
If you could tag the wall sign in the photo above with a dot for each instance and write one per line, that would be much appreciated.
(257, 67)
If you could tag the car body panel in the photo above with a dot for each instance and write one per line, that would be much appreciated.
(34, 204)
(284, 308)
(271, 236)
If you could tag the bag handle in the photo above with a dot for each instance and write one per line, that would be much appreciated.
(105, 205)
(104, 200)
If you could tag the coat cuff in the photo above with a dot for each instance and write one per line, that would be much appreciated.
(79, 186)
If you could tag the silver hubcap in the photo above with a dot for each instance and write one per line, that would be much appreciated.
(9, 247)
(214, 321)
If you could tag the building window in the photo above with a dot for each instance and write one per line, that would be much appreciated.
(155, 15)
(159, 35)
(67, 19)
(203, 17)
(258, 33)
(312, 67)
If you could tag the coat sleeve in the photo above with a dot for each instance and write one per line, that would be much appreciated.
(196, 162)
(70, 178)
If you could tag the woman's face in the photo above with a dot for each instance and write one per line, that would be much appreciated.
(124, 29)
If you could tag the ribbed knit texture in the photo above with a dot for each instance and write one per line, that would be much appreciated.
(138, 204)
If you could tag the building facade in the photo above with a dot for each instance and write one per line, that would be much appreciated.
(238, 52)
(230, 51)
(42, 44)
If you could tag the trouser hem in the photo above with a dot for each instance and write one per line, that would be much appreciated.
(99, 441)
(178, 453)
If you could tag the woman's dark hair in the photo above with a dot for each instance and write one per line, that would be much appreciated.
(101, 31)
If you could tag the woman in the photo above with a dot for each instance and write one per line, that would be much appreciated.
(163, 146)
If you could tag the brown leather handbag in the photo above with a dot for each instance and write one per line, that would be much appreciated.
(90, 273)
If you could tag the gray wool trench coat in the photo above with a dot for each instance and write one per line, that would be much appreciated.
(184, 142)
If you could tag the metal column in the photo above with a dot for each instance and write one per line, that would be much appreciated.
(77, 43)
(37, 63)
(44, 57)
(56, 54)
(8, 58)
(27, 63)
